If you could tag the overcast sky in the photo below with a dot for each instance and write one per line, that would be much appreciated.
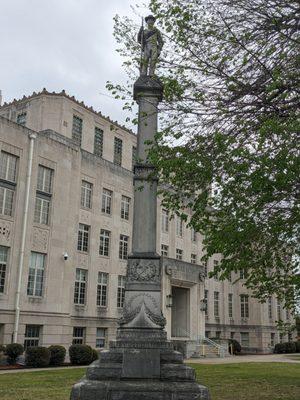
(62, 44)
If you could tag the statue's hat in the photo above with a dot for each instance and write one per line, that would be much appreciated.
(150, 17)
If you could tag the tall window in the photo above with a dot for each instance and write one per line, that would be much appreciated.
(179, 226)
(118, 151)
(245, 339)
(125, 206)
(216, 304)
(43, 195)
(193, 258)
(164, 250)
(134, 156)
(272, 339)
(101, 337)
(123, 247)
(8, 176)
(77, 129)
(106, 201)
(21, 118)
(36, 274)
(86, 194)
(244, 306)
(78, 335)
(205, 268)
(98, 142)
(104, 242)
(193, 235)
(279, 317)
(165, 220)
(230, 302)
(270, 308)
(216, 263)
(80, 286)
(32, 336)
(3, 267)
(102, 289)
(206, 301)
(121, 291)
(243, 274)
(179, 254)
(83, 238)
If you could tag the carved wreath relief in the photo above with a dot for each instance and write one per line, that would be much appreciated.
(143, 271)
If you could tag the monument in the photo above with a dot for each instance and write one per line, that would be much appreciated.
(141, 364)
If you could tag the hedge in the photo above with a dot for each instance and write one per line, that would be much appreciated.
(287, 347)
(80, 354)
(37, 357)
(13, 351)
(57, 355)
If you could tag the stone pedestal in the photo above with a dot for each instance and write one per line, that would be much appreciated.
(141, 364)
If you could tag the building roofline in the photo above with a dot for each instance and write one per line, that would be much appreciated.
(63, 93)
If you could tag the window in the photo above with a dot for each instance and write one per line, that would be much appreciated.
(230, 308)
(86, 194)
(279, 317)
(216, 304)
(8, 167)
(102, 289)
(179, 254)
(206, 301)
(270, 308)
(83, 238)
(179, 226)
(100, 337)
(216, 264)
(165, 220)
(121, 291)
(78, 335)
(244, 306)
(104, 242)
(134, 156)
(243, 274)
(45, 177)
(32, 336)
(41, 210)
(207, 334)
(232, 334)
(193, 258)
(193, 235)
(36, 274)
(8, 175)
(272, 339)
(43, 195)
(3, 267)
(77, 129)
(21, 118)
(118, 151)
(218, 334)
(80, 286)
(98, 142)
(245, 339)
(106, 201)
(205, 268)
(164, 250)
(123, 247)
(287, 314)
(125, 205)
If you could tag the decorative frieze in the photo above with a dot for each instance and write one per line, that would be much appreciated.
(40, 239)
(5, 232)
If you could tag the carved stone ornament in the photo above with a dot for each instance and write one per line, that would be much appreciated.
(143, 271)
(40, 239)
(5, 232)
(168, 270)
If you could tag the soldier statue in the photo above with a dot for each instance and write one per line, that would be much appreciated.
(152, 43)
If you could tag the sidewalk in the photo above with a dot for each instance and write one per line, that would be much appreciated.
(15, 371)
(287, 358)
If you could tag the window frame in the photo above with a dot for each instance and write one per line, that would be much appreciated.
(80, 287)
(102, 289)
(118, 150)
(123, 247)
(86, 194)
(121, 291)
(3, 268)
(83, 239)
(36, 275)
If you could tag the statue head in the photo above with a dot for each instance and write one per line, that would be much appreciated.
(150, 19)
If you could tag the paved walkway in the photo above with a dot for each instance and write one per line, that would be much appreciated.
(253, 358)
(227, 360)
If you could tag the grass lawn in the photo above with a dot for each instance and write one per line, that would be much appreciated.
(245, 381)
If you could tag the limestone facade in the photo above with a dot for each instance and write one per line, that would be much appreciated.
(79, 231)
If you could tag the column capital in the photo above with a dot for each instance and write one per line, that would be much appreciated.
(148, 86)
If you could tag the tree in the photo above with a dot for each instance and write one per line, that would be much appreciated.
(228, 145)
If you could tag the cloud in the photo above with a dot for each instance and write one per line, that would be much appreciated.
(62, 44)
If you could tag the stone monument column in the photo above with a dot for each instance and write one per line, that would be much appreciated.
(141, 363)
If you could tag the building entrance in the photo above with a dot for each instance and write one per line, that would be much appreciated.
(180, 318)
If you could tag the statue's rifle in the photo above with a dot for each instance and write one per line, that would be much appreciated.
(142, 44)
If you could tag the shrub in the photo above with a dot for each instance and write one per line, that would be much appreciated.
(95, 355)
(236, 347)
(279, 348)
(80, 354)
(13, 351)
(290, 347)
(57, 355)
(37, 357)
(2, 348)
(297, 344)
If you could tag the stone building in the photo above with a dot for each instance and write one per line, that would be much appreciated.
(66, 198)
